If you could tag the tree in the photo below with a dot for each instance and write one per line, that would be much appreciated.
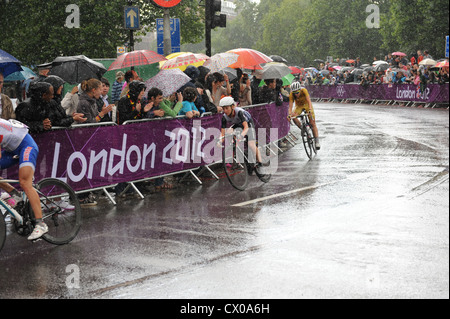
(34, 31)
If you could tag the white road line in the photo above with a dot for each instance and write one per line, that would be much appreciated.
(353, 177)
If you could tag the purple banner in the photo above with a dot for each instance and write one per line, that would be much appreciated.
(433, 93)
(88, 157)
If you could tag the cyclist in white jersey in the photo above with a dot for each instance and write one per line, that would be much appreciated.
(18, 147)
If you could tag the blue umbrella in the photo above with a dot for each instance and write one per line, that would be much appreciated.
(8, 64)
(21, 75)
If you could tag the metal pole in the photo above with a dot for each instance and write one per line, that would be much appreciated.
(167, 33)
(208, 27)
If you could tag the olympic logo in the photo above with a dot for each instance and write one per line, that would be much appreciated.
(340, 90)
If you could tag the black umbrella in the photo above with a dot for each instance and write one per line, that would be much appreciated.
(75, 69)
(277, 58)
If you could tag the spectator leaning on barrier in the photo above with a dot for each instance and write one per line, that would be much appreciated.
(164, 107)
(55, 111)
(6, 106)
(92, 90)
(130, 107)
(189, 108)
(103, 101)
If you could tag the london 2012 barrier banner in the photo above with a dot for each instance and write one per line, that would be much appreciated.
(89, 157)
(432, 93)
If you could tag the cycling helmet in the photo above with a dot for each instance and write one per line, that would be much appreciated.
(226, 101)
(296, 86)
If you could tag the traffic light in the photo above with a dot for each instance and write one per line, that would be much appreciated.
(217, 19)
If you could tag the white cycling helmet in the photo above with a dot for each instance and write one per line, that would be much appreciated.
(296, 86)
(226, 101)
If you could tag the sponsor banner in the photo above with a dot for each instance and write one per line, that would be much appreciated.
(97, 156)
(432, 93)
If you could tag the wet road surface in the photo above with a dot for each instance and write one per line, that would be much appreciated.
(366, 218)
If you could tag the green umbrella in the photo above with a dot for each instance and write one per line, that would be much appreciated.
(287, 80)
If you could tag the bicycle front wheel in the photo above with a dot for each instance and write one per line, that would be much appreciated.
(235, 168)
(2, 231)
(61, 211)
(307, 142)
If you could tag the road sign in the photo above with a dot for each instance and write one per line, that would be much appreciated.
(166, 3)
(175, 37)
(446, 46)
(121, 50)
(131, 17)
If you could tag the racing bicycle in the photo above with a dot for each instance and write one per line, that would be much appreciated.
(309, 142)
(55, 196)
(237, 164)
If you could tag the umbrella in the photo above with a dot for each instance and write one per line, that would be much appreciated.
(398, 53)
(220, 61)
(324, 72)
(135, 58)
(184, 60)
(357, 71)
(314, 70)
(27, 73)
(232, 73)
(287, 80)
(295, 70)
(249, 58)
(441, 64)
(8, 64)
(75, 69)
(379, 62)
(275, 70)
(428, 62)
(350, 61)
(365, 66)
(277, 58)
(369, 68)
(381, 67)
(168, 81)
(336, 67)
(319, 61)
(346, 68)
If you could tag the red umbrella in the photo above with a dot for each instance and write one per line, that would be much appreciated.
(249, 58)
(350, 61)
(295, 70)
(398, 53)
(135, 58)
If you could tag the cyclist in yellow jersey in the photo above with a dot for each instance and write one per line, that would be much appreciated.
(300, 96)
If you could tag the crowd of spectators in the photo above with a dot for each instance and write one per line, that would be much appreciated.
(399, 69)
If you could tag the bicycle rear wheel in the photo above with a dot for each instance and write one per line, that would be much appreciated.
(235, 168)
(63, 221)
(2, 231)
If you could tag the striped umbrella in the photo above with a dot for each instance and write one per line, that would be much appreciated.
(183, 60)
(135, 58)
(220, 61)
(168, 81)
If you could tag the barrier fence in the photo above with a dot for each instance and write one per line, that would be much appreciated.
(432, 94)
(92, 156)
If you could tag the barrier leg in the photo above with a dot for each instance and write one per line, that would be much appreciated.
(136, 190)
(107, 194)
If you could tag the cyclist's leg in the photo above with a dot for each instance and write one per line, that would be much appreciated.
(312, 121)
(26, 174)
(298, 110)
(7, 160)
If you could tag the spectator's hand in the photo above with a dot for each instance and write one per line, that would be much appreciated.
(180, 97)
(219, 109)
(79, 117)
(159, 113)
(74, 90)
(148, 107)
(225, 76)
(107, 109)
(138, 107)
(47, 124)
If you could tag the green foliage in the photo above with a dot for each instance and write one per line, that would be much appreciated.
(34, 30)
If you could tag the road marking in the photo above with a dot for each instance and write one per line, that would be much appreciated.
(353, 177)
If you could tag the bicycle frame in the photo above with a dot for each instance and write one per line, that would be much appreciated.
(7, 207)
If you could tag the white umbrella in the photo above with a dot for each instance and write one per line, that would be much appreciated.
(428, 62)
(375, 63)
(168, 81)
(220, 61)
